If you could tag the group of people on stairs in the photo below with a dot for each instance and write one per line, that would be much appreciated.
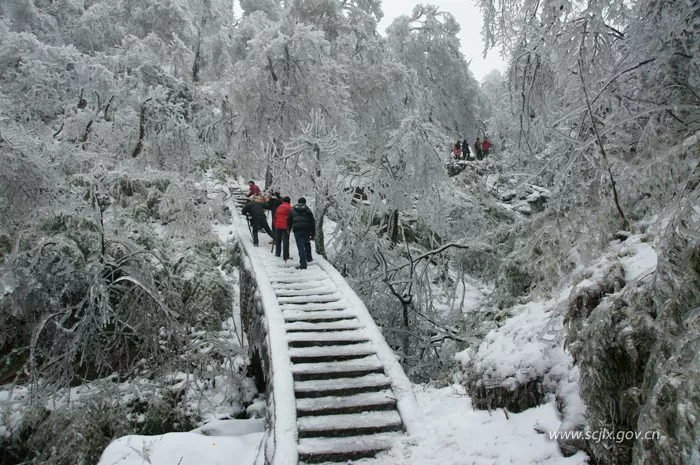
(286, 219)
(460, 150)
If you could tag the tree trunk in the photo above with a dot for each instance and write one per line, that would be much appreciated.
(142, 131)
(406, 341)
(320, 240)
(394, 227)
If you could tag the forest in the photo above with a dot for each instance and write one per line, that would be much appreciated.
(562, 270)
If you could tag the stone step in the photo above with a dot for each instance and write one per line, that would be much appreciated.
(304, 284)
(341, 387)
(311, 298)
(351, 424)
(299, 276)
(336, 405)
(314, 307)
(320, 450)
(330, 353)
(342, 325)
(319, 290)
(325, 338)
(343, 369)
(317, 316)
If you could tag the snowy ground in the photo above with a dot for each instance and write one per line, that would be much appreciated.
(451, 433)
(222, 442)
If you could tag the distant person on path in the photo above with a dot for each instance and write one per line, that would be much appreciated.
(257, 218)
(485, 146)
(457, 150)
(477, 148)
(254, 190)
(279, 221)
(465, 149)
(301, 222)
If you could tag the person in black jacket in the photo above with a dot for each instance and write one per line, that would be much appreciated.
(465, 149)
(274, 201)
(301, 222)
(257, 219)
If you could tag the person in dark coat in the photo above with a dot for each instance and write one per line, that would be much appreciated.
(477, 148)
(258, 219)
(465, 149)
(301, 222)
(273, 201)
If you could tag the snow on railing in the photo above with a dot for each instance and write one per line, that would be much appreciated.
(281, 382)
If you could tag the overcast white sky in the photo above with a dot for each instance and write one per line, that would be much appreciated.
(469, 18)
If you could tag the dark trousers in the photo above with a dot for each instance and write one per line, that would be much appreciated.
(258, 224)
(304, 247)
(282, 243)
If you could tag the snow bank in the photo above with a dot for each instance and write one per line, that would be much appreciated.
(193, 448)
(453, 433)
(515, 353)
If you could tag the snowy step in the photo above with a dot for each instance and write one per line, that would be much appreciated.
(304, 284)
(297, 276)
(319, 290)
(320, 450)
(326, 338)
(329, 315)
(342, 325)
(330, 353)
(364, 402)
(310, 298)
(341, 387)
(343, 369)
(312, 307)
(351, 424)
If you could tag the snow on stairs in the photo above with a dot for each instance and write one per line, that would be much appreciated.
(345, 407)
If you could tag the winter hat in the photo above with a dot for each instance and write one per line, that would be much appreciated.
(302, 200)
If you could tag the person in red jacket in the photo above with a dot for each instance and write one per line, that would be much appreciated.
(254, 190)
(485, 146)
(280, 224)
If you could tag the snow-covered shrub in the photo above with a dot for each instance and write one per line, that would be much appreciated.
(518, 363)
(611, 335)
(205, 296)
(671, 382)
(514, 280)
(68, 436)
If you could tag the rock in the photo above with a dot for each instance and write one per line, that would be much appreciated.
(622, 235)
(570, 445)
(508, 196)
(534, 197)
(523, 208)
(542, 191)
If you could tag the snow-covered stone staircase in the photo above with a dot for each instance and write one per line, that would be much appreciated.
(345, 405)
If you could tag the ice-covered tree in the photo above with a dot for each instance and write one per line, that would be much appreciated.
(426, 42)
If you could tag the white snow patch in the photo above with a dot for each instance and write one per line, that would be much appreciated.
(183, 449)
(231, 427)
(639, 258)
(453, 433)
(517, 352)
